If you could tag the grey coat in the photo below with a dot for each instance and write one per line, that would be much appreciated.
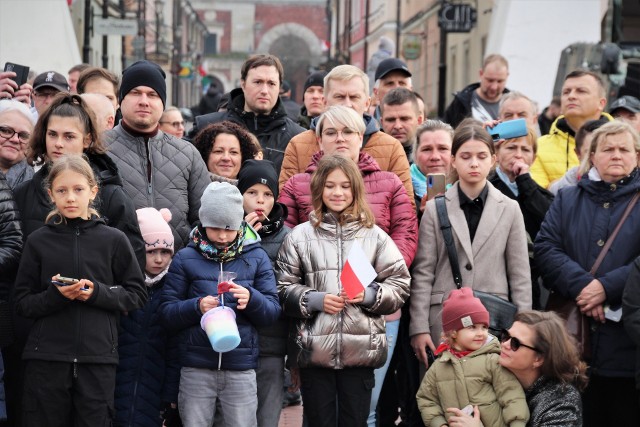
(178, 176)
(497, 261)
(311, 260)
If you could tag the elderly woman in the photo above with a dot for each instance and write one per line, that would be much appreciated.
(340, 130)
(572, 235)
(543, 357)
(16, 126)
(223, 147)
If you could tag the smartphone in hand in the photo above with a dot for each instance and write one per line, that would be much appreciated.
(22, 72)
(436, 184)
(508, 130)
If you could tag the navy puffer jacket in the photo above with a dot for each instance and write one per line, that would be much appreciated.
(190, 277)
(576, 227)
(148, 373)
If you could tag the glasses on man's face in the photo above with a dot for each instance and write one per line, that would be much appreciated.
(7, 133)
(176, 125)
(515, 342)
(332, 134)
(45, 95)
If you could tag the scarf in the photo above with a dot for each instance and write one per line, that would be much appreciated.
(275, 223)
(504, 178)
(457, 353)
(418, 180)
(208, 250)
(150, 281)
(19, 173)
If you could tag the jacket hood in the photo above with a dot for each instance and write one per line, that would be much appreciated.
(366, 163)
(330, 226)
(465, 94)
(601, 191)
(263, 121)
(70, 225)
(105, 169)
(371, 125)
(561, 127)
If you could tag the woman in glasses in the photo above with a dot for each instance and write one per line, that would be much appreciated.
(544, 359)
(16, 126)
(172, 122)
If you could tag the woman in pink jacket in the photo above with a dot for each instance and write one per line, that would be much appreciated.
(339, 130)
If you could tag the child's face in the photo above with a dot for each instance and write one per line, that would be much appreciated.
(470, 338)
(337, 194)
(72, 194)
(259, 199)
(157, 261)
(473, 161)
(221, 237)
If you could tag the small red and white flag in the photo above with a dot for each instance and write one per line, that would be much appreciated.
(357, 272)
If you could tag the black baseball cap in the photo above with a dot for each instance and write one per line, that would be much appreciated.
(51, 79)
(627, 102)
(391, 64)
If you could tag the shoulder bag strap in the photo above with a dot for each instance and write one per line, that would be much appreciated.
(611, 238)
(447, 234)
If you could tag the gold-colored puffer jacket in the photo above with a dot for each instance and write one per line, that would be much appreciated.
(311, 259)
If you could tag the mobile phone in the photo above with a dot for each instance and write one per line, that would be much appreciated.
(65, 281)
(436, 184)
(22, 72)
(468, 410)
(508, 130)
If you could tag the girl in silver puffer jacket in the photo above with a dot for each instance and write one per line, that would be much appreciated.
(339, 341)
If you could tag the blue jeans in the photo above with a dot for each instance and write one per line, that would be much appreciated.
(380, 373)
(270, 378)
(200, 388)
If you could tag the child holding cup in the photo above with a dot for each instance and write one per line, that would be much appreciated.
(222, 243)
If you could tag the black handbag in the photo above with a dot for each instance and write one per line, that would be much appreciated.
(501, 311)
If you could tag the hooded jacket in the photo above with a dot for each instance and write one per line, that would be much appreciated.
(556, 153)
(580, 220)
(273, 130)
(192, 276)
(311, 260)
(112, 203)
(69, 330)
(385, 149)
(476, 379)
(386, 196)
(178, 175)
(460, 107)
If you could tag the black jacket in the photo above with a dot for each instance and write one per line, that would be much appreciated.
(274, 131)
(460, 107)
(10, 239)
(534, 200)
(76, 331)
(112, 203)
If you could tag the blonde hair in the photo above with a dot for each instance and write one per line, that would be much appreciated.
(599, 135)
(344, 73)
(359, 209)
(339, 114)
(74, 163)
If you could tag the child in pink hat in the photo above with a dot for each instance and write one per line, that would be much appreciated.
(467, 372)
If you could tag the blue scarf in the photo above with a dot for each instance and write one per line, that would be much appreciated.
(418, 180)
(512, 185)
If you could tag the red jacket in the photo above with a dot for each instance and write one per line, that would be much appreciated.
(386, 195)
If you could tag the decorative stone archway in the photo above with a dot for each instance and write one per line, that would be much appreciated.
(292, 29)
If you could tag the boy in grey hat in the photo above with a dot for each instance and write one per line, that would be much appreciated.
(223, 242)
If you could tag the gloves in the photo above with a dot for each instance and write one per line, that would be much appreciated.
(171, 415)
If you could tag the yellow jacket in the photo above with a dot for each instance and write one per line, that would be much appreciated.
(556, 153)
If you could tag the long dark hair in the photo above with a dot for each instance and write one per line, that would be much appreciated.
(64, 105)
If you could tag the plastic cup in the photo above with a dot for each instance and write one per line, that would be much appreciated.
(220, 325)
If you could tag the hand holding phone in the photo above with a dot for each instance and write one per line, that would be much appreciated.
(436, 184)
(508, 130)
(21, 72)
(63, 281)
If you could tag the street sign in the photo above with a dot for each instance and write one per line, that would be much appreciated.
(456, 18)
(115, 27)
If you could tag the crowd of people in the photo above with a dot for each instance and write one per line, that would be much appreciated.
(153, 274)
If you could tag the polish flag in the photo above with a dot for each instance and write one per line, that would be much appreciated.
(357, 272)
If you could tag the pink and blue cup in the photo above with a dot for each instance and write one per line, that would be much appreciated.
(220, 325)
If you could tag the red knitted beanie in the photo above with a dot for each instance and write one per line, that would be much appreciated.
(462, 309)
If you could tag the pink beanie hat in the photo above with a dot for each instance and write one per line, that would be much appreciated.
(154, 226)
(463, 309)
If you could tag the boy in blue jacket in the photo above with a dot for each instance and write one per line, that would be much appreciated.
(223, 242)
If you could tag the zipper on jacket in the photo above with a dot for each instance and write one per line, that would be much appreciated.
(75, 368)
(341, 314)
(149, 169)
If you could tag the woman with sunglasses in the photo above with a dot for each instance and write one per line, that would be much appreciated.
(544, 358)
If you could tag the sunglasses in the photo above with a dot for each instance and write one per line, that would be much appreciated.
(515, 342)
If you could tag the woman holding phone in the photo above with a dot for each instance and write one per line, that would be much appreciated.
(489, 236)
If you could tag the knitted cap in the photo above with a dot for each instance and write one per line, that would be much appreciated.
(221, 207)
(315, 79)
(154, 227)
(258, 172)
(144, 73)
(462, 309)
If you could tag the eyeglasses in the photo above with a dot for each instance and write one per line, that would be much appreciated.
(7, 133)
(515, 342)
(174, 124)
(44, 95)
(332, 134)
